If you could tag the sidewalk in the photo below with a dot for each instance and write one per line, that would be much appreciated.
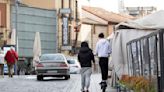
(95, 87)
(28, 83)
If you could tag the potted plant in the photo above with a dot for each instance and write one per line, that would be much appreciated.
(137, 83)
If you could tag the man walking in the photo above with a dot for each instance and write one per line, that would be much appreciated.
(11, 57)
(103, 50)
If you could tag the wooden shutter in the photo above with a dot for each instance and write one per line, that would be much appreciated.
(2, 15)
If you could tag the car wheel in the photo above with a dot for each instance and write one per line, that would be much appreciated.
(67, 77)
(39, 77)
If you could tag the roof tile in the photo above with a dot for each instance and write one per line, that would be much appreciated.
(106, 15)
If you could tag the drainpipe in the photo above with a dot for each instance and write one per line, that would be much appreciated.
(76, 27)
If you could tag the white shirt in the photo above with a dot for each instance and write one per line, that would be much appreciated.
(1, 59)
(103, 48)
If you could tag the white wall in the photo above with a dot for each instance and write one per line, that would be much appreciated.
(85, 33)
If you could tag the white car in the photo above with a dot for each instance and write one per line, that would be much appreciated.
(52, 65)
(5, 69)
(74, 65)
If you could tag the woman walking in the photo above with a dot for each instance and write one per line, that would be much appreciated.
(85, 56)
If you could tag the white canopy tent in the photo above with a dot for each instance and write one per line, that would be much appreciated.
(128, 31)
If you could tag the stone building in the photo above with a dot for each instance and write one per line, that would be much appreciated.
(4, 20)
(65, 19)
(95, 20)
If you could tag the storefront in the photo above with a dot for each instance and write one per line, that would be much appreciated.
(31, 20)
(28, 21)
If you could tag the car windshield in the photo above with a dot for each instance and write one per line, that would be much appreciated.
(52, 57)
(71, 61)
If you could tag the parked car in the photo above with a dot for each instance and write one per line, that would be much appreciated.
(5, 69)
(52, 65)
(74, 65)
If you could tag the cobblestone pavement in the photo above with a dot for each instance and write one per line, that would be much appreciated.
(30, 84)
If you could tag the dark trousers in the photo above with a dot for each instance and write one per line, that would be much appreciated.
(103, 62)
(10, 69)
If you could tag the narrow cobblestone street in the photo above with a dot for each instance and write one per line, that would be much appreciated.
(30, 84)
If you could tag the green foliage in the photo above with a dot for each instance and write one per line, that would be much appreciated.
(137, 84)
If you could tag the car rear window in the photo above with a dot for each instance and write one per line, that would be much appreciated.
(53, 57)
(71, 61)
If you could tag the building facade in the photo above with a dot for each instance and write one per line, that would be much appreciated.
(65, 14)
(4, 20)
(140, 11)
(136, 11)
(95, 20)
(54, 19)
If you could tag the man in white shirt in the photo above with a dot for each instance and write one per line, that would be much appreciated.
(103, 50)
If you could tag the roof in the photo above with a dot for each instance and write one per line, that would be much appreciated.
(151, 21)
(106, 15)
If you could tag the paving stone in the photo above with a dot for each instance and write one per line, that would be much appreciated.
(28, 83)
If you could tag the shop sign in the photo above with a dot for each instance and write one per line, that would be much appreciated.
(66, 48)
(65, 31)
(65, 11)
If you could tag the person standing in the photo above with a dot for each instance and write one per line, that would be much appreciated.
(103, 51)
(1, 63)
(85, 57)
(11, 57)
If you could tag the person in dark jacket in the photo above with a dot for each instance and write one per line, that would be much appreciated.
(85, 56)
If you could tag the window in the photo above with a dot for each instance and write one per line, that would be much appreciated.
(51, 57)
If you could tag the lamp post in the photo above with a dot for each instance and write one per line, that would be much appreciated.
(16, 29)
(76, 26)
(16, 24)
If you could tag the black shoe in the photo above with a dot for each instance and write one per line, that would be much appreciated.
(103, 84)
(82, 90)
(100, 83)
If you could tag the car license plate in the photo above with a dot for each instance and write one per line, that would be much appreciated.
(50, 65)
(51, 71)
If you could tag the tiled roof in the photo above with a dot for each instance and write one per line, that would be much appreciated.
(106, 15)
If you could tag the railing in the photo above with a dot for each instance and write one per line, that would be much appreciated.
(146, 58)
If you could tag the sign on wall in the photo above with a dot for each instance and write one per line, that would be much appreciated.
(65, 11)
(65, 31)
(66, 48)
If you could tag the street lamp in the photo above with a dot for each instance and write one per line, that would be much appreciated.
(76, 26)
(16, 24)
(16, 29)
